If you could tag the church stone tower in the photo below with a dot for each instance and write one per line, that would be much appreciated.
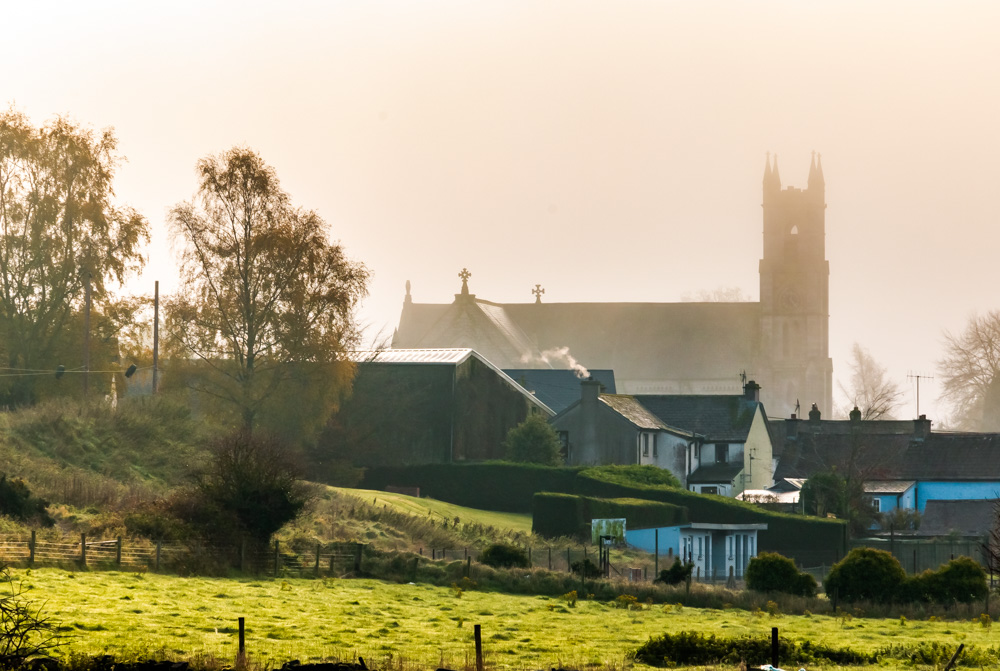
(794, 350)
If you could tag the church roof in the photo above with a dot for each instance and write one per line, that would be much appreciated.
(655, 341)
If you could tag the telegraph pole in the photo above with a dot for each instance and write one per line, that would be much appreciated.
(156, 333)
(86, 336)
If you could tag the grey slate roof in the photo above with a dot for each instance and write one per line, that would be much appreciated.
(966, 518)
(632, 409)
(715, 473)
(558, 389)
(887, 487)
(717, 418)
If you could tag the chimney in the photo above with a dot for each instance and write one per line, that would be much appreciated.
(588, 451)
(814, 414)
(751, 391)
(855, 415)
(921, 427)
(792, 427)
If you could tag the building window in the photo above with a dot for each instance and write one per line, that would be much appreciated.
(564, 444)
(645, 444)
(721, 453)
(709, 490)
(877, 505)
(655, 453)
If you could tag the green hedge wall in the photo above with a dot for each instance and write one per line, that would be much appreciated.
(510, 487)
(569, 515)
(492, 485)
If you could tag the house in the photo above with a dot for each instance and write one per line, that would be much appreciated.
(426, 406)
(713, 444)
(714, 549)
(672, 348)
(967, 519)
(904, 464)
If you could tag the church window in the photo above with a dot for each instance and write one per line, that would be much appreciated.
(721, 453)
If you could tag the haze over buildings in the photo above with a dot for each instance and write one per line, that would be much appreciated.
(607, 152)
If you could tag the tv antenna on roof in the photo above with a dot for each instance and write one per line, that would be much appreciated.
(918, 377)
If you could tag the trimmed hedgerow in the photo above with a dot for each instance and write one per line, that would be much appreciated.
(772, 572)
(569, 515)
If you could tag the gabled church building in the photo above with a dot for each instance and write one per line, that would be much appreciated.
(673, 348)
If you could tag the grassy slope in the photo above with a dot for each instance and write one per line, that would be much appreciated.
(136, 614)
(445, 511)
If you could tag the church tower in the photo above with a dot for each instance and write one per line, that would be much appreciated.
(795, 365)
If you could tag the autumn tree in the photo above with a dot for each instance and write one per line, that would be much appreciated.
(60, 229)
(970, 373)
(266, 307)
(870, 388)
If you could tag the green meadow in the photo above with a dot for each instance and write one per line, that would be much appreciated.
(132, 615)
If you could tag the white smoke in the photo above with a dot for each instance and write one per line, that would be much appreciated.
(558, 357)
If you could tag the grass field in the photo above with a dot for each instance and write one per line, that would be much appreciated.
(417, 626)
(424, 506)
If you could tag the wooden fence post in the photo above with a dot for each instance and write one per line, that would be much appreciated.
(569, 564)
(159, 543)
(530, 564)
(83, 550)
(316, 568)
(241, 654)
(243, 555)
(479, 647)
(468, 567)
(277, 559)
(550, 557)
(118, 552)
(357, 558)
(31, 549)
(774, 647)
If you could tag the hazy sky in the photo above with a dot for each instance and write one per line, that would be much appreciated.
(610, 151)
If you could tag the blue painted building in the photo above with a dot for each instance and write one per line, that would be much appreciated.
(714, 549)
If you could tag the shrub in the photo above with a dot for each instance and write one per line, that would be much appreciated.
(866, 574)
(962, 580)
(17, 501)
(771, 572)
(502, 555)
(676, 574)
(588, 568)
(533, 441)
(688, 648)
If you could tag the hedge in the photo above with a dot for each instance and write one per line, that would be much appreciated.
(509, 487)
(569, 515)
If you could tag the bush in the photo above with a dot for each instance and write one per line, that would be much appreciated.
(16, 501)
(588, 568)
(866, 574)
(501, 555)
(961, 580)
(771, 572)
(676, 574)
(534, 441)
(688, 648)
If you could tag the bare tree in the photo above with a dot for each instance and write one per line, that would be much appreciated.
(870, 389)
(266, 309)
(969, 373)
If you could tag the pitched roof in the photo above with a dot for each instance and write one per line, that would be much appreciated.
(717, 418)
(661, 340)
(629, 408)
(938, 456)
(966, 518)
(720, 473)
(887, 486)
(440, 357)
(558, 389)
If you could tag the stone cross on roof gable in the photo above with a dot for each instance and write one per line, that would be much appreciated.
(465, 275)
(538, 291)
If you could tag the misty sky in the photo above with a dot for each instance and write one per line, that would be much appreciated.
(608, 151)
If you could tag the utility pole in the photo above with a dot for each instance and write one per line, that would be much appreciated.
(86, 336)
(156, 333)
(918, 378)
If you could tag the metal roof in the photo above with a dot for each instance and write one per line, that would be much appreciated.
(455, 355)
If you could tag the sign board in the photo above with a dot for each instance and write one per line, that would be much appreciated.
(615, 528)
